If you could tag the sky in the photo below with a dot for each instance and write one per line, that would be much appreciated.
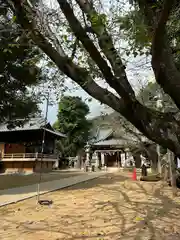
(95, 108)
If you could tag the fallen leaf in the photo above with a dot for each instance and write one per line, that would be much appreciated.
(138, 219)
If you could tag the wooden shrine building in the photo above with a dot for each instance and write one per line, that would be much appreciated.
(21, 147)
(108, 149)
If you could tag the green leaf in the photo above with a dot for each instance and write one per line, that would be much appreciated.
(14, 18)
(65, 37)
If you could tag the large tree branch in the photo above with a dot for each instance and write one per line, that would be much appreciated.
(115, 83)
(167, 75)
(106, 43)
(80, 75)
(160, 32)
(158, 127)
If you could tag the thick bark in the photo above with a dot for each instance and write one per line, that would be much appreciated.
(137, 160)
(167, 75)
(153, 158)
(159, 127)
(165, 70)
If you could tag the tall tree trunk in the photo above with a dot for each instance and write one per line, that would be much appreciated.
(154, 166)
(152, 157)
(137, 160)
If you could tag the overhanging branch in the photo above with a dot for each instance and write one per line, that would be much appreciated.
(106, 44)
(159, 127)
(160, 31)
(66, 65)
(119, 86)
(167, 75)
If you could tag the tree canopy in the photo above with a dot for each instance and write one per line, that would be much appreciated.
(151, 93)
(72, 121)
(81, 39)
(136, 30)
(18, 70)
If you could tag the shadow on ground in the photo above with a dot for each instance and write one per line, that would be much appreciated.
(16, 182)
(107, 179)
(8, 181)
(110, 207)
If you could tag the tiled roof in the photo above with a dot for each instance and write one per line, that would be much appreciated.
(32, 124)
(111, 142)
(101, 134)
(55, 132)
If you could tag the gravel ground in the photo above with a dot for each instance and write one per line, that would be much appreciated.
(110, 207)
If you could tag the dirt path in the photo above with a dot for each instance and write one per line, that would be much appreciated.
(111, 207)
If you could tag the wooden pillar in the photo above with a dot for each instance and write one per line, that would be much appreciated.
(119, 159)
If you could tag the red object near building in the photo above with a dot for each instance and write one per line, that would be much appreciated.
(134, 175)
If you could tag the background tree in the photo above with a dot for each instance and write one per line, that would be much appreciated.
(92, 39)
(72, 121)
(136, 30)
(18, 70)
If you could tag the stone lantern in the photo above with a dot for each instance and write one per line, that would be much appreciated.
(87, 151)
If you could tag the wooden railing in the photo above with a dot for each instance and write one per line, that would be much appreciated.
(29, 155)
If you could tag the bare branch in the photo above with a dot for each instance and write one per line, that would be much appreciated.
(74, 49)
(66, 65)
(114, 82)
(106, 45)
(159, 127)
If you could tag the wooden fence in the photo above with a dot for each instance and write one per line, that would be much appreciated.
(29, 155)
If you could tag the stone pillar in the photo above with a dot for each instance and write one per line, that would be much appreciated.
(56, 164)
(127, 155)
(178, 163)
(87, 158)
(102, 159)
(87, 161)
(78, 161)
(96, 159)
(123, 159)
